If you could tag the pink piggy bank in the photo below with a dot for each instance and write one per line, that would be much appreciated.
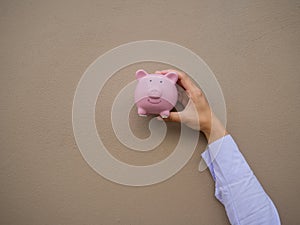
(155, 93)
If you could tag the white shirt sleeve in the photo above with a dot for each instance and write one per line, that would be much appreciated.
(236, 187)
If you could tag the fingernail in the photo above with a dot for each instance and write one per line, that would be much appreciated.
(159, 118)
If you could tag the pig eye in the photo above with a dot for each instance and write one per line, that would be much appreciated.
(150, 80)
(160, 81)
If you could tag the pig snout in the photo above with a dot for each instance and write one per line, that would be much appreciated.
(154, 93)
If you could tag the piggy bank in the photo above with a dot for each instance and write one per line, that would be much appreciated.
(155, 93)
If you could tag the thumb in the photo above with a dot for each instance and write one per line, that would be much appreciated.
(174, 117)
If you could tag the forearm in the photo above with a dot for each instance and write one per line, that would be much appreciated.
(237, 188)
(213, 129)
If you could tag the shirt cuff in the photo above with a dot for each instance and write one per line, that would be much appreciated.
(225, 161)
(211, 152)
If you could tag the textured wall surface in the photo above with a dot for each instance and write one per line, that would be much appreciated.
(254, 50)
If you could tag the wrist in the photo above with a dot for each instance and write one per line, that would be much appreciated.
(213, 129)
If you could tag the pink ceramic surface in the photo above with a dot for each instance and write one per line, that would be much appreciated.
(155, 93)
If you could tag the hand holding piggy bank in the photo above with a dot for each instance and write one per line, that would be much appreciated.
(155, 93)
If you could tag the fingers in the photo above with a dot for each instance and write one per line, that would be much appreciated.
(164, 71)
(183, 80)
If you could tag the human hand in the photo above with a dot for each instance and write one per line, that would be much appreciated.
(197, 113)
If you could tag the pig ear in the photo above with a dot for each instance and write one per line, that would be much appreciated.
(140, 73)
(172, 76)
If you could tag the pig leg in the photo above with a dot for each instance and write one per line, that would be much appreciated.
(142, 112)
(165, 114)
